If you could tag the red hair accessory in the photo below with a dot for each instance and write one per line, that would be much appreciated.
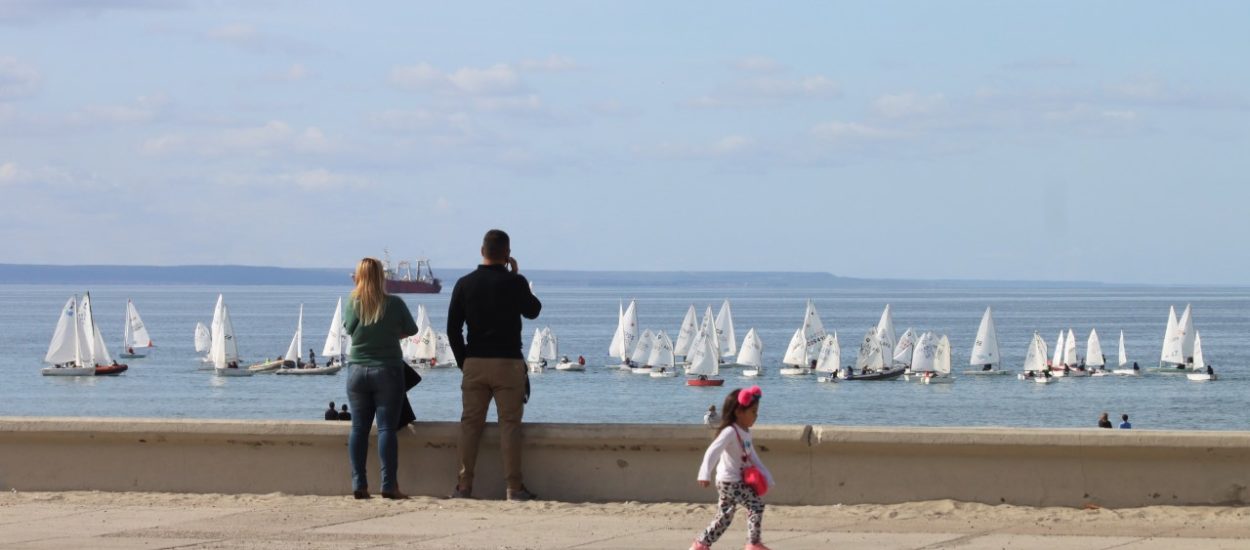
(749, 396)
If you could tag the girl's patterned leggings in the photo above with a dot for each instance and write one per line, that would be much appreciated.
(733, 493)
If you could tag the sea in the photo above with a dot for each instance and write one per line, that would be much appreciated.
(170, 383)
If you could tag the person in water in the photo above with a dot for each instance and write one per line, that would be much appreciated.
(1104, 422)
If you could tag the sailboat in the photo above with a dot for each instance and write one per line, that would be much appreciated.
(1094, 359)
(338, 341)
(704, 361)
(134, 334)
(1178, 342)
(796, 356)
(805, 344)
(67, 352)
(726, 340)
(885, 335)
(540, 353)
(626, 336)
(443, 356)
(830, 359)
(751, 356)
(642, 352)
(941, 363)
(225, 351)
(903, 349)
(985, 353)
(924, 355)
(870, 364)
(1069, 356)
(1200, 373)
(1056, 362)
(98, 353)
(1122, 360)
(421, 349)
(662, 358)
(685, 335)
(203, 339)
(297, 344)
(1035, 367)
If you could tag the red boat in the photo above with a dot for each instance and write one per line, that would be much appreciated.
(110, 370)
(403, 279)
(705, 382)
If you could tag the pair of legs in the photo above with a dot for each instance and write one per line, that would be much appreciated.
(375, 393)
(731, 495)
(503, 381)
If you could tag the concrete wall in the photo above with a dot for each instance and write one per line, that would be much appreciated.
(595, 462)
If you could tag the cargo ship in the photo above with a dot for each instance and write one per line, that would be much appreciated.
(405, 279)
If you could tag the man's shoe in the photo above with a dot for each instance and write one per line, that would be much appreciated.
(396, 495)
(360, 495)
(460, 493)
(521, 495)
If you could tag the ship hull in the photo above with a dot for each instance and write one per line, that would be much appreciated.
(413, 287)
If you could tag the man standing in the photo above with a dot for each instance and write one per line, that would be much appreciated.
(491, 301)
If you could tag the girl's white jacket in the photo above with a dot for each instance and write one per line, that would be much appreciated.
(726, 456)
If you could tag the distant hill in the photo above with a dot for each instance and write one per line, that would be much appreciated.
(253, 275)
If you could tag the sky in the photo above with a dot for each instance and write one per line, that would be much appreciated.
(1027, 140)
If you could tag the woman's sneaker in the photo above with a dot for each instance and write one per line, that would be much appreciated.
(700, 545)
(521, 495)
(755, 546)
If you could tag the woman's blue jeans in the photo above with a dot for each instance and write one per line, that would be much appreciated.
(374, 392)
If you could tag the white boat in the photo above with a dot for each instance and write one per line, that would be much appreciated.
(704, 361)
(642, 352)
(685, 334)
(830, 358)
(985, 352)
(338, 341)
(538, 355)
(799, 355)
(726, 339)
(924, 355)
(134, 334)
(225, 350)
(885, 335)
(203, 339)
(751, 356)
(941, 364)
(423, 318)
(1095, 361)
(1069, 352)
(661, 360)
(1035, 367)
(68, 350)
(1200, 373)
(625, 337)
(420, 349)
(1056, 362)
(312, 371)
(443, 356)
(296, 347)
(1122, 361)
(796, 356)
(903, 349)
(1178, 341)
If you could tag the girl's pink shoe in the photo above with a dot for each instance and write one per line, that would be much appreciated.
(755, 546)
(698, 545)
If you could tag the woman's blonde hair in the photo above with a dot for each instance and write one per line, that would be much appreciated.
(370, 291)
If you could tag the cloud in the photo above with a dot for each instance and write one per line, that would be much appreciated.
(552, 64)
(803, 87)
(316, 179)
(763, 90)
(758, 64)
(270, 139)
(294, 73)
(499, 79)
(853, 131)
(17, 80)
(12, 174)
(1041, 64)
(731, 145)
(908, 104)
(612, 107)
(28, 11)
(248, 38)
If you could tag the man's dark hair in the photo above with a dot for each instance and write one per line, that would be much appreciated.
(331, 404)
(496, 245)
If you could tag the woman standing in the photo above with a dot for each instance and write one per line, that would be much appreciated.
(375, 380)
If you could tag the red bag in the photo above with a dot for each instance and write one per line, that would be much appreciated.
(751, 474)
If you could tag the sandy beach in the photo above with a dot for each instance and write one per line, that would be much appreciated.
(164, 520)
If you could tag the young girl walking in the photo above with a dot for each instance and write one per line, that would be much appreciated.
(732, 454)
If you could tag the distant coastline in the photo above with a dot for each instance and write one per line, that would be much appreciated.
(284, 276)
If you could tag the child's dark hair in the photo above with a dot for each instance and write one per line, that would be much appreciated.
(729, 410)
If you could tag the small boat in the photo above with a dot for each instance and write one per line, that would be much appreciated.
(225, 351)
(1094, 359)
(904, 348)
(270, 366)
(542, 349)
(796, 356)
(661, 359)
(68, 351)
(1202, 372)
(1122, 361)
(985, 352)
(327, 370)
(1035, 367)
(1178, 341)
(870, 364)
(830, 358)
(420, 349)
(134, 334)
(750, 357)
(567, 364)
(726, 339)
(625, 337)
(203, 341)
(685, 335)
(704, 360)
(923, 357)
(642, 352)
(885, 335)
(941, 364)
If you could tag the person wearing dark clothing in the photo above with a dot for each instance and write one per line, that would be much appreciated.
(376, 322)
(344, 415)
(1124, 424)
(330, 413)
(491, 301)
(1103, 421)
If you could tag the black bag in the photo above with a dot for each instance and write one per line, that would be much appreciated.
(411, 379)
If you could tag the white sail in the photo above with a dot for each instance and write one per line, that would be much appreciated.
(297, 341)
(642, 351)
(903, 349)
(813, 330)
(1123, 358)
(216, 323)
(1057, 361)
(551, 345)
(726, 340)
(67, 345)
(99, 352)
(924, 357)
(1035, 359)
(535, 354)
(1186, 327)
(985, 348)
(203, 338)
(703, 358)
(942, 364)
(661, 352)
(830, 357)
(752, 352)
(870, 352)
(885, 335)
(135, 334)
(796, 351)
(1172, 352)
(423, 317)
(425, 346)
(617, 347)
(1200, 362)
(442, 350)
(685, 335)
(709, 326)
(1093, 350)
(629, 326)
(224, 349)
(1069, 349)
(336, 338)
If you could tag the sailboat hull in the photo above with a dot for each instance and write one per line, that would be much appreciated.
(979, 372)
(1201, 377)
(665, 374)
(232, 372)
(110, 370)
(1126, 372)
(794, 371)
(939, 380)
(705, 382)
(131, 356)
(324, 371)
(574, 367)
(883, 375)
(75, 371)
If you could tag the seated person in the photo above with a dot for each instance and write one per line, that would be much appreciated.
(331, 414)
(344, 415)
(581, 360)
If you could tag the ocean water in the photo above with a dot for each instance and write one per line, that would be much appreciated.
(169, 384)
